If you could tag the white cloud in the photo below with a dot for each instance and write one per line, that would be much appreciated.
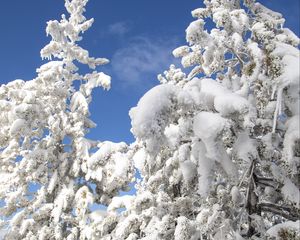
(142, 59)
(119, 28)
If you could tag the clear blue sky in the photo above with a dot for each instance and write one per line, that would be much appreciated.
(136, 35)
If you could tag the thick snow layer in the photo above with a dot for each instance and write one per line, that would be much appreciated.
(146, 115)
(188, 170)
(61, 203)
(288, 36)
(122, 164)
(230, 103)
(53, 182)
(290, 140)
(239, 20)
(211, 89)
(150, 117)
(208, 125)
(200, 13)
(128, 225)
(236, 196)
(139, 159)
(291, 62)
(184, 229)
(98, 215)
(121, 202)
(255, 51)
(83, 198)
(107, 148)
(172, 132)
(79, 102)
(205, 166)
(181, 51)
(215, 95)
(244, 147)
(95, 80)
(18, 126)
(237, 40)
(195, 33)
(50, 67)
(193, 88)
(283, 49)
(291, 192)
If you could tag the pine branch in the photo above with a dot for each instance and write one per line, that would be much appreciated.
(268, 182)
(286, 212)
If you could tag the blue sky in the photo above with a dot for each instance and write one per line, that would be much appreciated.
(136, 35)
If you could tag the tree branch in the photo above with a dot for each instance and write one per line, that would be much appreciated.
(286, 212)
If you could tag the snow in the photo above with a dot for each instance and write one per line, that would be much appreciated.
(16, 84)
(146, 115)
(18, 218)
(95, 80)
(228, 104)
(291, 70)
(149, 117)
(236, 196)
(129, 225)
(121, 202)
(195, 32)
(205, 166)
(273, 231)
(52, 182)
(203, 215)
(18, 126)
(183, 230)
(172, 133)
(237, 40)
(290, 140)
(239, 20)
(208, 125)
(195, 136)
(291, 192)
(288, 36)
(79, 103)
(290, 61)
(25, 225)
(122, 164)
(105, 150)
(255, 51)
(139, 159)
(3, 232)
(199, 13)
(61, 203)
(190, 60)
(83, 199)
(189, 170)
(49, 68)
(221, 17)
(98, 215)
(211, 89)
(181, 51)
(245, 147)
(193, 88)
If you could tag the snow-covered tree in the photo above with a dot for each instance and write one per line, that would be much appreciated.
(218, 145)
(47, 168)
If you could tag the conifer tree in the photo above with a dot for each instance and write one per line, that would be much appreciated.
(217, 145)
(47, 167)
